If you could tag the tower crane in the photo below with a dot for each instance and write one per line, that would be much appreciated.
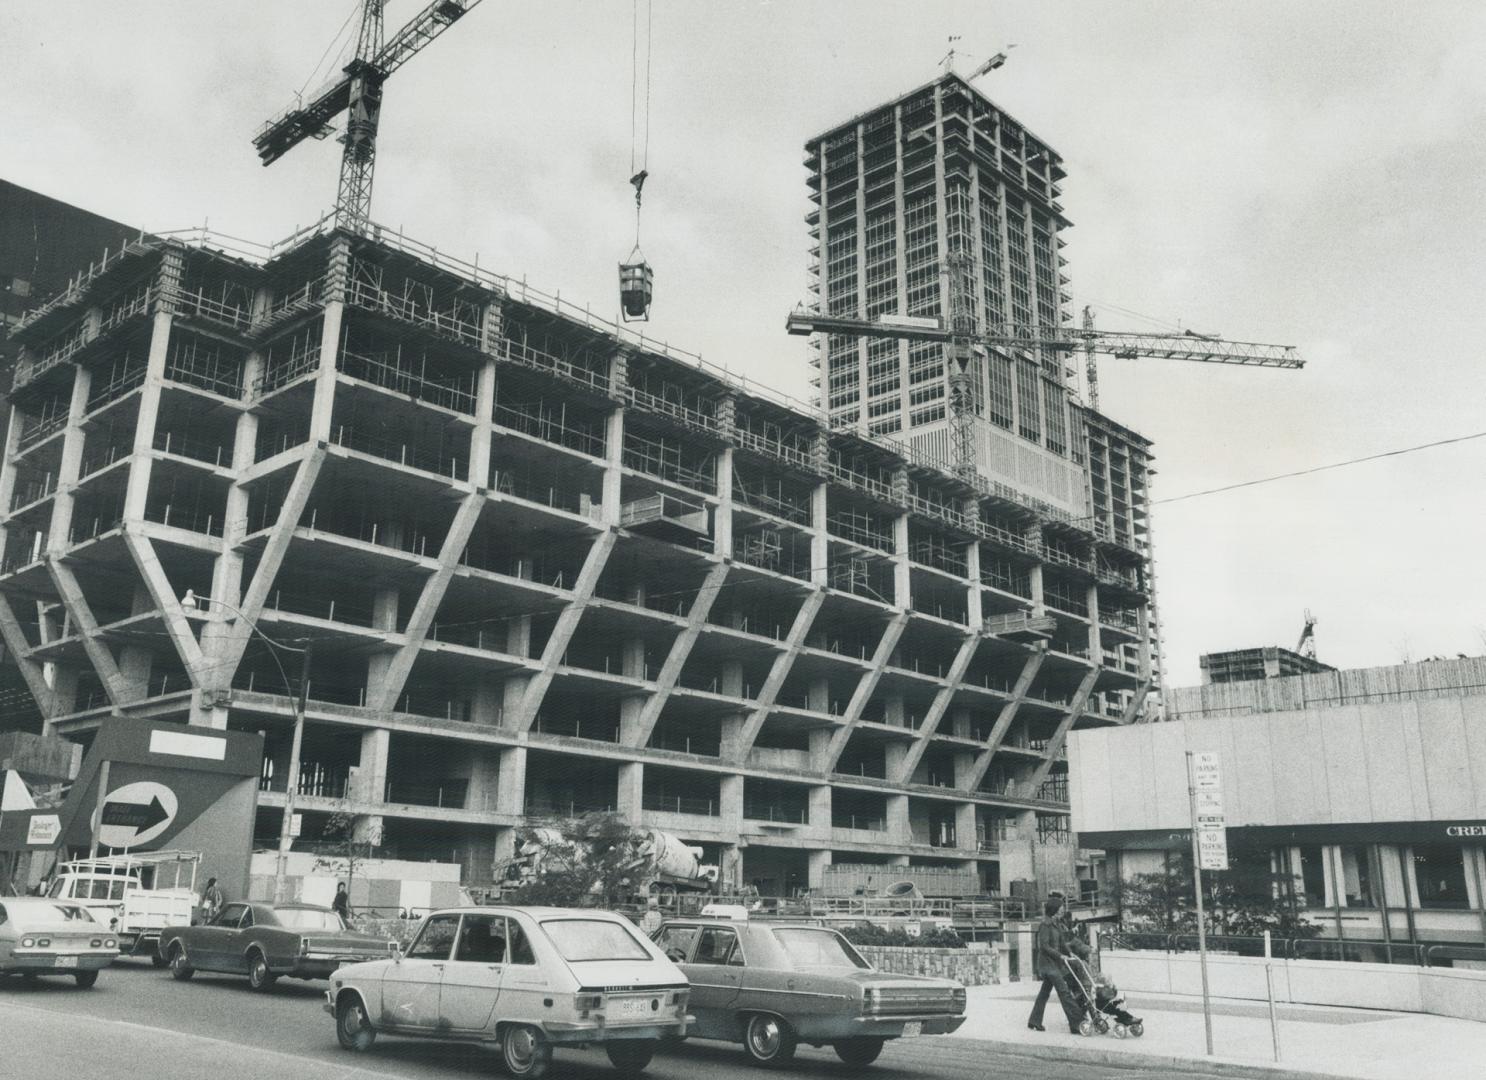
(1306, 646)
(358, 93)
(963, 337)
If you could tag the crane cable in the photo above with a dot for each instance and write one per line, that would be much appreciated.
(637, 176)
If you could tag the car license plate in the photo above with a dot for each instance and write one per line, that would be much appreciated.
(913, 1028)
(633, 1007)
(65, 962)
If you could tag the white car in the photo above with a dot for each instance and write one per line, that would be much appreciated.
(38, 937)
(526, 979)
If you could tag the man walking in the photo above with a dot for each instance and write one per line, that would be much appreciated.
(341, 905)
(1054, 942)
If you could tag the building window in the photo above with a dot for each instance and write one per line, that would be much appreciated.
(1312, 876)
(1356, 877)
(1439, 871)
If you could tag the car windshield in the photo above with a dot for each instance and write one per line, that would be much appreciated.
(808, 948)
(309, 919)
(36, 915)
(594, 939)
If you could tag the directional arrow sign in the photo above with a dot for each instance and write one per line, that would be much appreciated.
(136, 814)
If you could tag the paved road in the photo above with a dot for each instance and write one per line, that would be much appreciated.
(139, 1024)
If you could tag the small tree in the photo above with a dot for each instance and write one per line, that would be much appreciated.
(1243, 901)
(591, 862)
(340, 851)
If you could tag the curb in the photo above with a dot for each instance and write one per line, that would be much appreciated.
(1214, 1066)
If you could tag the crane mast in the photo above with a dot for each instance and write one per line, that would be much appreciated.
(359, 94)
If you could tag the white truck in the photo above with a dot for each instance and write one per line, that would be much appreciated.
(135, 896)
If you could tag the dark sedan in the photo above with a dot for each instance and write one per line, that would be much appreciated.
(266, 941)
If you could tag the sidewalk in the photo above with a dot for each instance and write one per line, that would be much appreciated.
(1358, 1043)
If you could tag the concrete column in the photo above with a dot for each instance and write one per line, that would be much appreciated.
(973, 617)
(613, 463)
(818, 695)
(722, 521)
(816, 868)
(902, 579)
(898, 829)
(965, 826)
(730, 804)
(820, 547)
(371, 774)
(732, 678)
(487, 702)
(820, 810)
(336, 276)
(136, 494)
(484, 786)
(630, 791)
(1096, 650)
(511, 786)
(479, 472)
(384, 618)
(1034, 579)
(73, 438)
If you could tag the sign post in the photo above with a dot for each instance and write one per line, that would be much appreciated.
(1209, 852)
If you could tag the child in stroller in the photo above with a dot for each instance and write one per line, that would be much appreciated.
(1111, 1003)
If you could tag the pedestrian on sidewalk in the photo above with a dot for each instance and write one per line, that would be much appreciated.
(1054, 942)
(341, 905)
(212, 899)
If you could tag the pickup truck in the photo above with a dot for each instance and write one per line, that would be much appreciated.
(133, 896)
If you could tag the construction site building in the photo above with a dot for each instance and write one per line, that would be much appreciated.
(1246, 665)
(545, 567)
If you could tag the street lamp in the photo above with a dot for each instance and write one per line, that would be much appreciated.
(190, 600)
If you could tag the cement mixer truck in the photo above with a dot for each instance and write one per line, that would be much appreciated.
(656, 862)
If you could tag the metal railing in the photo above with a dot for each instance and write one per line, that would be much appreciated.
(782, 814)
(680, 804)
(1346, 950)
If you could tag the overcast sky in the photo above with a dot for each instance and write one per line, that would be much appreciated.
(1306, 174)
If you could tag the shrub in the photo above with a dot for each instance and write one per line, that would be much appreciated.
(869, 934)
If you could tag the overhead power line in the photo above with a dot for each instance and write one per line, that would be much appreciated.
(1323, 468)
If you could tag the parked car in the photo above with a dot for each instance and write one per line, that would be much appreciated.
(526, 979)
(38, 937)
(772, 986)
(267, 941)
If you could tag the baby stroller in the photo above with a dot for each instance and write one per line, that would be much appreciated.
(1102, 1003)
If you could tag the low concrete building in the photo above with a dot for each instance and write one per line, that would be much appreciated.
(1366, 788)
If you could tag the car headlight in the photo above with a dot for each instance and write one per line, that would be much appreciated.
(869, 999)
(96, 943)
(110, 944)
(28, 943)
(43, 942)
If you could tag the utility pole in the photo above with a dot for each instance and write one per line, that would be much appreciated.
(292, 787)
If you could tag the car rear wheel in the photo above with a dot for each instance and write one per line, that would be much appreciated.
(768, 1040)
(259, 977)
(180, 966)
(352, 1027)
(86, 979)
(630, 1056)
(525, 1052)
(858, 1051)
(158, 960)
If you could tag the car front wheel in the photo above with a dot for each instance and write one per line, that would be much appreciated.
(768, 1040)
(86, 979)
(259, 977)
(525, 1052)
(180, 966)
(858, 1051)
(352, 1028)
(630, 1056)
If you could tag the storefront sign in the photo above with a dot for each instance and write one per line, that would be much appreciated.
(1461, 832)
(43, 830)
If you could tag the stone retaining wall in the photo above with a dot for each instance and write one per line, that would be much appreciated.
(977, 968)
